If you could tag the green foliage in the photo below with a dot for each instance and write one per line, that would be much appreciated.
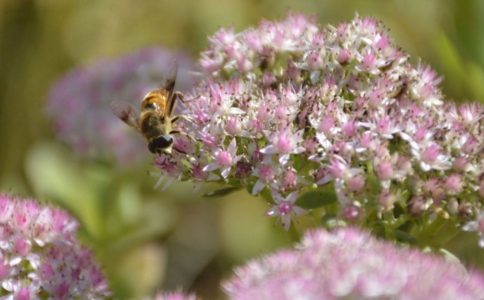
(316, 199)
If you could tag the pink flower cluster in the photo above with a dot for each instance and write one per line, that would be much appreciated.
(40, 257)
(289, 107)
(350, 264)
(79, 102)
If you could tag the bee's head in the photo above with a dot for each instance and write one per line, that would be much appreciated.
(159, 144)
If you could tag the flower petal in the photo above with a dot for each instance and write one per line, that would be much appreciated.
(258, 186)
(232, 149)
(211, 167)
(292, 197)
(271, 149)
(226, 172)
(283, 159)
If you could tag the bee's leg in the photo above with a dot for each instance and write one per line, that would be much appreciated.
(185, 134)
(176, 118)
(182, 97)
(179, 151)
(168, 151)
(172, 102)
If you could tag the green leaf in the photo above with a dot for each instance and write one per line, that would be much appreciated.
(451, 62)
(315, 199)
(405, 237)
(55, 176)
(476, 78)
(221, 192)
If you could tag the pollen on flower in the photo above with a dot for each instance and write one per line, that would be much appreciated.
(44, 257)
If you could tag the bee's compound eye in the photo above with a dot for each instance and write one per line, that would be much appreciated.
(152, 148)
(160, 143)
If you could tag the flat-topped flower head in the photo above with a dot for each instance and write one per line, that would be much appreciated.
(40, 257)
(79, 102)
(341, 107)
(351, 264)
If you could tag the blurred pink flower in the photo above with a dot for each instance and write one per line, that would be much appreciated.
(351, 264)
(39, 254)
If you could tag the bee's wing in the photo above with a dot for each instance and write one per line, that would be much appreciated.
(169, 80)
(127, 113)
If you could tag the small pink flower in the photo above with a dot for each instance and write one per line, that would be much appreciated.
(343, 56)
(4, 269)
(289, 180)
(386, 199)
(351, 212)
(47, 271)
(433, 189)
(62, 290)
(22, 247)
(470, 145)
(356, 183)
(384, 170)
(23, 294)
(285, 143)
(349, 129)
(461, 164)
(417, 205)
(338, 167)
(266, 175)
(326, 126)
(285, 210)
(453, 184)
(224, 160)
(315, 61)
(432, 158)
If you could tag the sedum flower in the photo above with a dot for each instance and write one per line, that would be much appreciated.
(285, 208)
(343, 109)
(79, 102)
(40, 257)
(351, 264)
(223, 160)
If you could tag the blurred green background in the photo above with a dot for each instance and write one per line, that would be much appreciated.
(147, 239)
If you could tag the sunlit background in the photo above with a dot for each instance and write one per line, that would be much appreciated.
(149, 239)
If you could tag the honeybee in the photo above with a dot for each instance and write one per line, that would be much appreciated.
(155, 122)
